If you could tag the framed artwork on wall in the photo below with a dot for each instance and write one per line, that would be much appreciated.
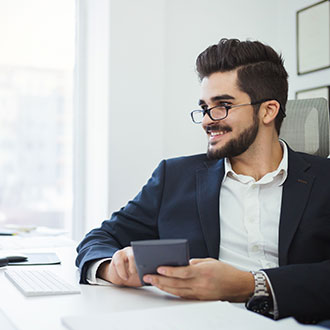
(313, 37)
(323, 91)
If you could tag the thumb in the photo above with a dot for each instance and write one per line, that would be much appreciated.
(196, 261)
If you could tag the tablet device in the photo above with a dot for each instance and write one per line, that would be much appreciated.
(151, 254)
(35, 259)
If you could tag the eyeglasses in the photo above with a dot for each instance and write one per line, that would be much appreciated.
(220, 112)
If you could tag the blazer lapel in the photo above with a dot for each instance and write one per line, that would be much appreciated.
(208, 189)
(296, 190)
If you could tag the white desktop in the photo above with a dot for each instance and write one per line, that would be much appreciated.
(112, 307)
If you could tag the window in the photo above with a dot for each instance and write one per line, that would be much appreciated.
(36, 112)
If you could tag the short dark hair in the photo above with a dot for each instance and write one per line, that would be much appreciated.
(261, 73)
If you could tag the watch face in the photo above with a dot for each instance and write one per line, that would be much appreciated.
(260, 304)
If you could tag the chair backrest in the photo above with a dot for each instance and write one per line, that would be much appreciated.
(306, 127)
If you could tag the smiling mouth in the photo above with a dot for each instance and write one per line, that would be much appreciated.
(215, 131)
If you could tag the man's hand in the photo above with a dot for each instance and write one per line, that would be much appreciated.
(204, 279)
(121, 270)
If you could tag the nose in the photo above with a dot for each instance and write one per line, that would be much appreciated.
(207, 121)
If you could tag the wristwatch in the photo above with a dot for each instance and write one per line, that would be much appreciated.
(261, 302)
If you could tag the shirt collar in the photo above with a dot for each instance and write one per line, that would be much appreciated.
(280, 173)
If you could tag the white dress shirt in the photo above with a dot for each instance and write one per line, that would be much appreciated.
(92, 270)
(250, 217)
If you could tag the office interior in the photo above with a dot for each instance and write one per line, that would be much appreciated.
(134, 85)
(142, 86)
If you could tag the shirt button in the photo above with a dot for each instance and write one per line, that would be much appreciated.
(255, 248)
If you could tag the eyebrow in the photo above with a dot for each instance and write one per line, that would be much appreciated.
(217, 98)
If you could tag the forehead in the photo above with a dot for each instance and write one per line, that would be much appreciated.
(219, 83)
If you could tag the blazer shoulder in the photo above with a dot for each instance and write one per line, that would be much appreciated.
(195, 162)
(189, 158)
(315, 164)
(315, 160)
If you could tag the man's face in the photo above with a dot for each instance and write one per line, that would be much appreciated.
(233, 135)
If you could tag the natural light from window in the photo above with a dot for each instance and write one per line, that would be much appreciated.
(36, 112)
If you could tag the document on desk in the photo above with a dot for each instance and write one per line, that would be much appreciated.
(194, 316)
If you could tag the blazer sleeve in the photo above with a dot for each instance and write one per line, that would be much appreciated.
(136, 221)
(302, 290)
(301, 284)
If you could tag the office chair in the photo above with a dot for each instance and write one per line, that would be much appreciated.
(306, 127)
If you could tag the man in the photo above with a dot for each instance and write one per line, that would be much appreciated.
(256, 213)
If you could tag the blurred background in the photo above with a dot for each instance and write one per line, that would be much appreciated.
(95, 93)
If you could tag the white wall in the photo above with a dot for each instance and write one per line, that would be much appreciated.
(287, 36)
(190, 27)
(136, 95)
(153, 48)
(153, 86)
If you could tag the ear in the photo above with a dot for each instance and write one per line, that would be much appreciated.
(270, 110)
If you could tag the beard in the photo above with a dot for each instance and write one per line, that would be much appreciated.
(236, 146)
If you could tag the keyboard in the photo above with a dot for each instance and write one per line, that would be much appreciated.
(39, 283)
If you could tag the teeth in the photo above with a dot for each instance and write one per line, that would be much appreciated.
(218, 133)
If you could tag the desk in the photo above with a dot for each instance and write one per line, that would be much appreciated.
(33, 313)
(45, 312)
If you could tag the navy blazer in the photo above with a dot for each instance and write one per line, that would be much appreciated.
(181, 200)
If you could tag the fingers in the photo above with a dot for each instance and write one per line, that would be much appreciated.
(157, 280)
(184, 288)
(124, 262)
(123, 269)
(172, 278)
(198, 280)
(196, 261)
(119, 261)
(131, 262)
(184, 272)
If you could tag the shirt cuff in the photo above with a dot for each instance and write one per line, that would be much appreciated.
(91, 273)
(275, 311)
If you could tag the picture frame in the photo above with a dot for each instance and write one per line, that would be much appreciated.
(322, 91)
(313, 37)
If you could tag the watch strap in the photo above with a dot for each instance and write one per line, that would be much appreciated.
(261, 301)
(260, 284)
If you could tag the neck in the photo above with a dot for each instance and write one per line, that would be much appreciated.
(262, 157)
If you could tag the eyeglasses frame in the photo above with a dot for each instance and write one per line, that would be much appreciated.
(228, 107)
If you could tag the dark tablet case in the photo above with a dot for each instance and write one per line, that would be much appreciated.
(151, 254)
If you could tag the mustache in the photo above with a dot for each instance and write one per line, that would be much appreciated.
(212, 128)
